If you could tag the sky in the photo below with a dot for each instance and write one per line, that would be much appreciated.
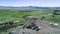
(41, 3)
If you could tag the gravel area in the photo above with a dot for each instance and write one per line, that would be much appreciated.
(45, 29)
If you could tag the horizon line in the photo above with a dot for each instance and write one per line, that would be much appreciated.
(31, 5)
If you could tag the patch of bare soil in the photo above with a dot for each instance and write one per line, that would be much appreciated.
(45, 29)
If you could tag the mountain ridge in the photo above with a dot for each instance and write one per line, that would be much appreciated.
(30, 7)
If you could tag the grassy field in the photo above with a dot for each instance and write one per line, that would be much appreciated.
(16, 13)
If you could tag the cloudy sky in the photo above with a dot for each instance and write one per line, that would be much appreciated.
(42, 3)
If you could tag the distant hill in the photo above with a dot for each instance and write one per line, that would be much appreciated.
(6, 7)
(55, 8)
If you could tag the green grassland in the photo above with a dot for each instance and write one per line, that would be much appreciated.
(18, 12)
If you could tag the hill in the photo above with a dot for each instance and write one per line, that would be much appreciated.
(53, 8)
